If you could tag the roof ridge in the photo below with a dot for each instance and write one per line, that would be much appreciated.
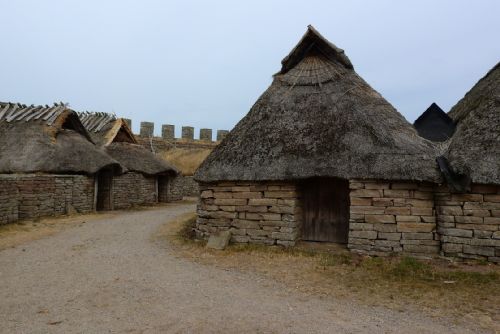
(16, 112)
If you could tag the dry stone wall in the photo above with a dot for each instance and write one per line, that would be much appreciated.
(469, 224)
(9, 211)
(183, 186)
(32, 196)
(253, 212)
(392, 217)
(132, 189)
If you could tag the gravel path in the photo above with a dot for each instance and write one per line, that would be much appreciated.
(107, 276)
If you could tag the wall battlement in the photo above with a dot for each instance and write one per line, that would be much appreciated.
(187, 132)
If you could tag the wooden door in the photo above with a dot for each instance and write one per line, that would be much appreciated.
(104, 189)
(326, 210)
(163, 188)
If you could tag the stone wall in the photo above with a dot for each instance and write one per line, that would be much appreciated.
(392, 217)
(32, 196)
(132, 189)
(9, 211)
(469, 224)
(254, 212)
(183, 186)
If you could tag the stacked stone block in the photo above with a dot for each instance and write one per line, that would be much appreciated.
(168, 131)
(253, 212)
(469, 224)
(132, 189)
(147, 129)
(206, 134)
(181, 186)
(8, 202)
(187, 132)
(388, 217)
(32, 196)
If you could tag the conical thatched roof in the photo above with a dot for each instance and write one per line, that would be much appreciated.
(49, 140)
(114, 135)
(434, 124)
(474, 149)
(320, 118)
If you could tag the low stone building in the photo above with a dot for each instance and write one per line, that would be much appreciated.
(469, 214)
(322, 156)
(434, 124)
(48, 163)
(147, 178)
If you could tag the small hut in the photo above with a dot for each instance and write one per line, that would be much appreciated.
(321, 156)
(469, 221)
(434, 124)
(48, 162)
(147, 177)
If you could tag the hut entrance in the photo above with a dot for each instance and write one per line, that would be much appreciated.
(104, 188)
(163, 185)
(326, 210)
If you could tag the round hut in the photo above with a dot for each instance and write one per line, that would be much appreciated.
(321, 156)
(48, 162)
(147, 177)
(469, 222)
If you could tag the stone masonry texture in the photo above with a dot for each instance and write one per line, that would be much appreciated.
(32, 196)
(469, 224)
(132, 189)
(261, 213)
(183, 186)
(392, 217)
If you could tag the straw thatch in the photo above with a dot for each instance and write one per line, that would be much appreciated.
(115, 136)
(474, 150)
(434, 124)
(320, 118)
(48, 140)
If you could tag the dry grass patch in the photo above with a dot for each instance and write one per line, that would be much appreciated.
(186, 160)
(465, 292)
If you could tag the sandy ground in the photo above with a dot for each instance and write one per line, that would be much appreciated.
(110, 276)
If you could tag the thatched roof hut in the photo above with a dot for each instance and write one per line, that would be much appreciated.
(474, 149)
(434, 124)
(47, 139)
(320, 118)
(117, 139)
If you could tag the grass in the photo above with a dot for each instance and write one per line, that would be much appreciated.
(467, 292)
(186, 160)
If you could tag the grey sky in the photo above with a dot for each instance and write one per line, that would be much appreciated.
(204, 63)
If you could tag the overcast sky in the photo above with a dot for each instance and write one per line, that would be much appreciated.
(204, 63)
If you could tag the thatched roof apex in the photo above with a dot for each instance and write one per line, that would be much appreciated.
(434, 124)
(48, 140)
(105, 128)
(474, 149)
(115, 136)
(320, 118)
(314, 41)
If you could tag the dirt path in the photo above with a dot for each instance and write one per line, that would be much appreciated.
(108, 276)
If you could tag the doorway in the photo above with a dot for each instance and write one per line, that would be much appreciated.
(326, 210)
(163, 187)
(104, 190)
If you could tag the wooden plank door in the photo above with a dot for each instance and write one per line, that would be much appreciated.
(163, 186)
(326, 210)
(104, 188)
